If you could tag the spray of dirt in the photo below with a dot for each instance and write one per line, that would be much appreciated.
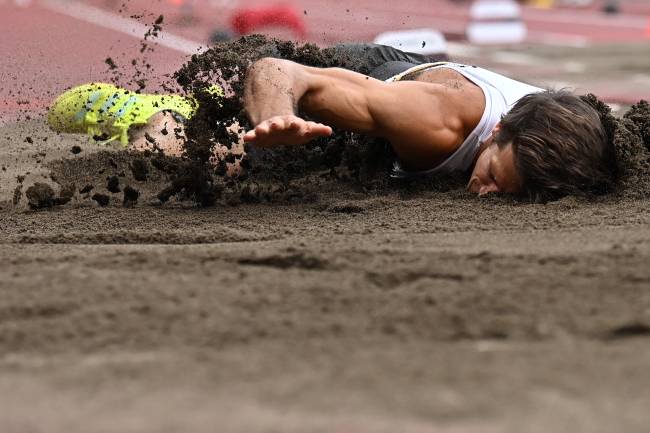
(630, 136)
(363, 162)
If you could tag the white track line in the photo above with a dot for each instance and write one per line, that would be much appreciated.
(558, 39)
(127, 26)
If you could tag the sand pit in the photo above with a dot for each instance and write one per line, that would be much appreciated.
(329, 301)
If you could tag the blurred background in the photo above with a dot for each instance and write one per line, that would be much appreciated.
(602, 46)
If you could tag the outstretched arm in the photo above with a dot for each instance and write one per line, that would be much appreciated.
(272, 92)
(419, 120)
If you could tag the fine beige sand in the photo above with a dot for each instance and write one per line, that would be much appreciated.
(353, 312)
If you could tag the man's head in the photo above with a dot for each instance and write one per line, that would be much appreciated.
(550, 143)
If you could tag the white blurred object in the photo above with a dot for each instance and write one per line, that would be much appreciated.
(496, 22)
(419, 41)
(496, 33)
(495, 10)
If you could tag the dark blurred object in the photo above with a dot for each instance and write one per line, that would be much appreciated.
(186, 9)
(220, 36)
(612, 6)
(250, 20)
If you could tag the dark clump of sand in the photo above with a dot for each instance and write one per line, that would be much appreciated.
(101, 199)
(630, 137)
(140, 169)
(130, 196)
(113, 184)
(41, 195)
(104, 173)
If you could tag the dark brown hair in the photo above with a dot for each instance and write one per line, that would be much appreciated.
(560, 145)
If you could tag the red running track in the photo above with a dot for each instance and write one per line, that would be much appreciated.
(335, 20)
(45, 52)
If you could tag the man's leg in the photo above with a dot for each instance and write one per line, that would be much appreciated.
(165, 132)
(139, 121)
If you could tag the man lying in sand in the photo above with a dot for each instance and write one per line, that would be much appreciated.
(439, 117)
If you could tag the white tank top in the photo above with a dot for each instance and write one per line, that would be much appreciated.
(501, 93)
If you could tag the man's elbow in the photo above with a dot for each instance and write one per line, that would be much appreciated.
(281, 72)
(269, 65)
(265, 62)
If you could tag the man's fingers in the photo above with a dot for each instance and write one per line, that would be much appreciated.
(262, 129)
(250, 136)
(318, 130)
(276, 125)
(285, 130)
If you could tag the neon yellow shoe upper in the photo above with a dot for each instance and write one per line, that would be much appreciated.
(101, 109)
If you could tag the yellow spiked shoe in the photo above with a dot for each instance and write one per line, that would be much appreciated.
(106, 112)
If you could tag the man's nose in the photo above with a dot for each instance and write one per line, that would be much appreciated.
(486, 189)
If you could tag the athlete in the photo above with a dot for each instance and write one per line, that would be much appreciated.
(439, 117)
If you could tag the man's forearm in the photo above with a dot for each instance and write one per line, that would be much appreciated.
(272, 88)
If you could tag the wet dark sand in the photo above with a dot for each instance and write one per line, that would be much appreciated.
(427, 312)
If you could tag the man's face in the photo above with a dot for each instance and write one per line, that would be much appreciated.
(495, 170)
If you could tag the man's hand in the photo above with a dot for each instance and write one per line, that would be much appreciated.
(286, 130)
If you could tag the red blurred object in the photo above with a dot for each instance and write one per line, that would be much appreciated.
(248, 20)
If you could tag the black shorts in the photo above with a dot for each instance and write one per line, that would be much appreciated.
(380, 61)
